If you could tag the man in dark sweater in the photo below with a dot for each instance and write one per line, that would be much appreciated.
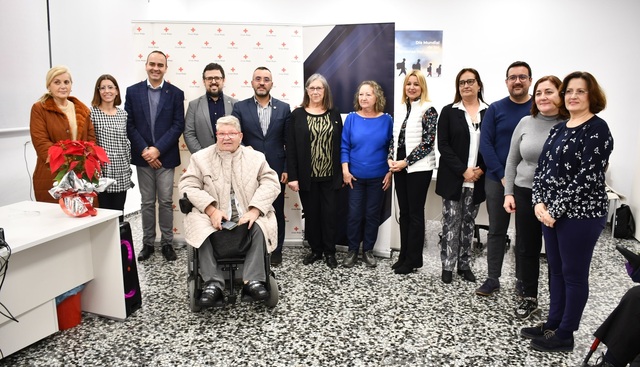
(495, 138)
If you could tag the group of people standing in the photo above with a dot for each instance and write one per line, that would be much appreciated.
(543, 158)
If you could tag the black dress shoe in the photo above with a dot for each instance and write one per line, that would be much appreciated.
(168, 253)
(447, 276)
(256, 290)
(311, 258)
(146, 253)
(397, 264)
(276, 258)
(404, 269)
(331, 261)
(211, 295)
(467, 274)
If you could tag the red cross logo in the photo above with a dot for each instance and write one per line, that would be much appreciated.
(166, 29)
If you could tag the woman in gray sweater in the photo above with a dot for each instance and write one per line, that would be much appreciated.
(526, 145)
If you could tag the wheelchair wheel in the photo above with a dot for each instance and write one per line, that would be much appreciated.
(192, 281)
(272, 301)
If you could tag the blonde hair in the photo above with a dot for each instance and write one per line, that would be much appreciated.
(51, 74)
(422, 82)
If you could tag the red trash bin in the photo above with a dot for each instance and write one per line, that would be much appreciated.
(69, 312)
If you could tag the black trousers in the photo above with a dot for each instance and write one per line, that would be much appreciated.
(411, 191)
(319, 205)
(528, 241)
(621, 330)
(113, 200)
(278, 206)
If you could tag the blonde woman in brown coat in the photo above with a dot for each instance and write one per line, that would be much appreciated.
(56, 116)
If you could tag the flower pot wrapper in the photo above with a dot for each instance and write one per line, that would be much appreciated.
(76, 166)
(75, 195)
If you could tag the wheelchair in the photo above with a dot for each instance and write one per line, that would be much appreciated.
(230, 267)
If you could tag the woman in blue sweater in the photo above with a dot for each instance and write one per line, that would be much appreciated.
(571, 203)
(366, 138)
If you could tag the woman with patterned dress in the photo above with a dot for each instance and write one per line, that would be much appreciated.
(412, 158)
(570, 201)
(313, 164)
(110, 123)
(461, 171)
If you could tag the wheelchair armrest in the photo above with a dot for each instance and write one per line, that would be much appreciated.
(185, 204)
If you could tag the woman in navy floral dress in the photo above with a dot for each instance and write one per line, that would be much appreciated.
(571, 203)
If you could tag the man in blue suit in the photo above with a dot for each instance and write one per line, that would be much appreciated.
(155, 122)
(264, 121)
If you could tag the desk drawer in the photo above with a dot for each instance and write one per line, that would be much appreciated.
(34, 325)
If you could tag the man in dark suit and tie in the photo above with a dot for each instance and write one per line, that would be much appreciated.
(204, 111)
(264, 122)
(155, 122)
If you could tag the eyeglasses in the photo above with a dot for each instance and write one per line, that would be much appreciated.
(577, 92)
(315, 89)
(260, 79)
(522, 77)
(227, 135)
(107, 87)
(213, 78)
(469, 82)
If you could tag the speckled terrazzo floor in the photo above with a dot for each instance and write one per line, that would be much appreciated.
(341, 317)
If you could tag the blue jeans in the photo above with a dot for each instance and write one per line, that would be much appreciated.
(365, 213)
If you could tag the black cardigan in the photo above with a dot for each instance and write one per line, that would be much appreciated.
(453, 145)
(299, 149)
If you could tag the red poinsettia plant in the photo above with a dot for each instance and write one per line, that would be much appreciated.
(82, 157)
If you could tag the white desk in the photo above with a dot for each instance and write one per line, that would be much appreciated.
(51, 254)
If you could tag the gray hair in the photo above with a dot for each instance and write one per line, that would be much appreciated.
(229, 121)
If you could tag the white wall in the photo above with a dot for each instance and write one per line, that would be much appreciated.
(554, 37)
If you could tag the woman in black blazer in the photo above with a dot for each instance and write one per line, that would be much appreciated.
(313, 162)
(460, 177)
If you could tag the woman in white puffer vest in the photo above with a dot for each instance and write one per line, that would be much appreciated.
(412, 160)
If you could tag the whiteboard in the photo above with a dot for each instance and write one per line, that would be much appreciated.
(24, 61)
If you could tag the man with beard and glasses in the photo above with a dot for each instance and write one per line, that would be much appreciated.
(264, 121)
(497, 127)
(204, 111)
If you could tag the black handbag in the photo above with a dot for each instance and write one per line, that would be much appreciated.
(229, 243)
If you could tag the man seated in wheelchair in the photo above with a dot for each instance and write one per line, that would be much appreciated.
(230, 182)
